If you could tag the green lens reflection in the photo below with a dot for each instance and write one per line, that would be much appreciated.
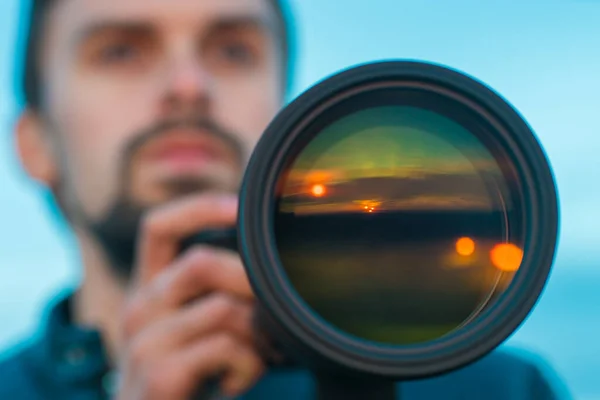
(392, 224)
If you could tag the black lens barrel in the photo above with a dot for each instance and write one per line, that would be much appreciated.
(459, 97)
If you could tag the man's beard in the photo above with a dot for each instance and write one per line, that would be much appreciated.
(117, 231)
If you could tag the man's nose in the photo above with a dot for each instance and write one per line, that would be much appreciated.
(187, 84)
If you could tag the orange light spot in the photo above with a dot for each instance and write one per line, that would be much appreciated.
(318, 190)
(506, 257)
(465, 246)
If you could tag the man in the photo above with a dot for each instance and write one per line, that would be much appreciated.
(140, 117)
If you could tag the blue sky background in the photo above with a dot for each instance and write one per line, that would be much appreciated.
(543, 56)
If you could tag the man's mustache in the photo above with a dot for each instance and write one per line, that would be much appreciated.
(201, 126)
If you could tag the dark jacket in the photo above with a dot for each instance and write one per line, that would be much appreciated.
(68, 363)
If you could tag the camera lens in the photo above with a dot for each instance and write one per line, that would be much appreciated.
(393, 224)
(398, 219)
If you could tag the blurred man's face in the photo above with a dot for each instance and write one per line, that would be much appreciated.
(151, 99)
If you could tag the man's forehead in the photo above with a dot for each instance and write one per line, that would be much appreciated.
(69, 15)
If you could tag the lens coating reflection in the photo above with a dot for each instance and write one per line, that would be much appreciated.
(391, 225)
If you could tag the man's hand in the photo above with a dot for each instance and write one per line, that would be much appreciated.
(187, 318)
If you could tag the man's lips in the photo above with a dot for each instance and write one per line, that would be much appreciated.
(184, 153)
(184, 150)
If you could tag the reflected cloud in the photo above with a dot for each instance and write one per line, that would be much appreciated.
(454, 192)
(348, 169)
(420, 203)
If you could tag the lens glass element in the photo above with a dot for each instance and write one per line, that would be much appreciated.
(392, 225)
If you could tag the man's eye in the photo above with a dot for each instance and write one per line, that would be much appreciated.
(119, 53)
(238, 53)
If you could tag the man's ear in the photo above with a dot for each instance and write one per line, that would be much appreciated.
(35, 149)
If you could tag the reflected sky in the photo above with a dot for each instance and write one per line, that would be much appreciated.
(392, 158)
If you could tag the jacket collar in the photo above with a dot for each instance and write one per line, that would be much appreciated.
(70, 355)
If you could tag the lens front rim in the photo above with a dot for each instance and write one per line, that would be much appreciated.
(537, 195)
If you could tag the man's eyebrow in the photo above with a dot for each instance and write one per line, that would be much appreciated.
(146, 28)
(97, 28)
(242, 21)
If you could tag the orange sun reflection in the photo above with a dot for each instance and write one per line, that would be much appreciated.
(506, 257)
(318, 190)
(465, 246)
